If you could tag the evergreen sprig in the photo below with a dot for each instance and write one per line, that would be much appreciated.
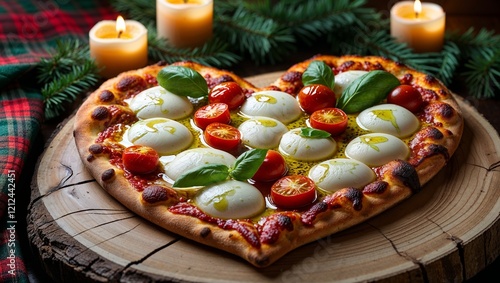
(213, 53)
(480, 58)
(68, 73)
(250, 34)
(143, 11)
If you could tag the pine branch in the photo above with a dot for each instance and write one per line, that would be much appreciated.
(483, 73)
(309, 20)
(213, 53)
(450, 62)
(253, 35)
(65, 89)
(68, 54)
(143, 11)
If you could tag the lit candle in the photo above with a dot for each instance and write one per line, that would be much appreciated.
(420, 25)
(118, 46)
(184, 23)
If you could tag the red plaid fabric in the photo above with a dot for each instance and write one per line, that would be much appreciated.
(29, 29)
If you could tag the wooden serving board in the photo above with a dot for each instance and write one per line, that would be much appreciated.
(448, 232)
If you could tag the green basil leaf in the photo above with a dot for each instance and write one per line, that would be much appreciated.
(247, 164)
(366, 91)
(182, 81)
(318, 72)
(312, 133)
(202, 176)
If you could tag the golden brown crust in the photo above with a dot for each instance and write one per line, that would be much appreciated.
(430, 148)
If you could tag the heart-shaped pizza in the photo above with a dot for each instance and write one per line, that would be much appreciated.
(259, 172)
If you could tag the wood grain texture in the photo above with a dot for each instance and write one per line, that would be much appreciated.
(448, 232)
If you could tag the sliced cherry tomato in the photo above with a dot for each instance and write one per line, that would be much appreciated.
(273, 167)
(315, 97)
(293, 191)
(140, 159)
(332, 120)
(222, 136)
(230, 93)
(212, 113)
(406, 96)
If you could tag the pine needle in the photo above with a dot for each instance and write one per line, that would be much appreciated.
(59, 93)
(213, 53)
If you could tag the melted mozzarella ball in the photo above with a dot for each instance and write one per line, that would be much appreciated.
(294, 145)
(388, 118)
(342, 80)
(158, 102)
(230, 199)
(334, 174)
(196, 157)
(262, 132)
(164, 135)
(376, 149)
(274, 104)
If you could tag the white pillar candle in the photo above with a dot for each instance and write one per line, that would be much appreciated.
(117, 49)
(184, 23)
(423, 30)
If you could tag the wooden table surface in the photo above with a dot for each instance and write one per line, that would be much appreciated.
(460, 16)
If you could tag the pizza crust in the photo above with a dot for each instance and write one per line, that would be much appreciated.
(395, 182)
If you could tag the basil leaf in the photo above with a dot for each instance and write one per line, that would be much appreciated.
(314, 133)
(366, 91)
(318, 72)
(182, 81)
(247, 164)
(202, 176)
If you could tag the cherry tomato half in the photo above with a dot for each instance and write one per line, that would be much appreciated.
(406, 96)
(222, 136)
(315, 97)
(293, 191)
(332, 120)
(212, 113)
(273, 167)
(140, 159)
(230, 93)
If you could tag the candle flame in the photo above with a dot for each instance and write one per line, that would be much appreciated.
(120, 25)
(417, 7)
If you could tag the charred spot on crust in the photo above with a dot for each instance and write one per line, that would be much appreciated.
(262, 261)
(90, 158)
(430, 79)
(131, 85)
(377, 187)
(426, 134)
(108, 175)
(205, 231)
(400, 64)
(96, 148)
(161, 63)
(154, 193)
(446, 111)
(355, 196)
(438, 110)
(292, 76)
(407, 174)
(285, 222)
(106, 96)
(433, 133)
(309, 216)
(100, 113)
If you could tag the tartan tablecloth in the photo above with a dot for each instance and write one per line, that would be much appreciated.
(29, 30)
